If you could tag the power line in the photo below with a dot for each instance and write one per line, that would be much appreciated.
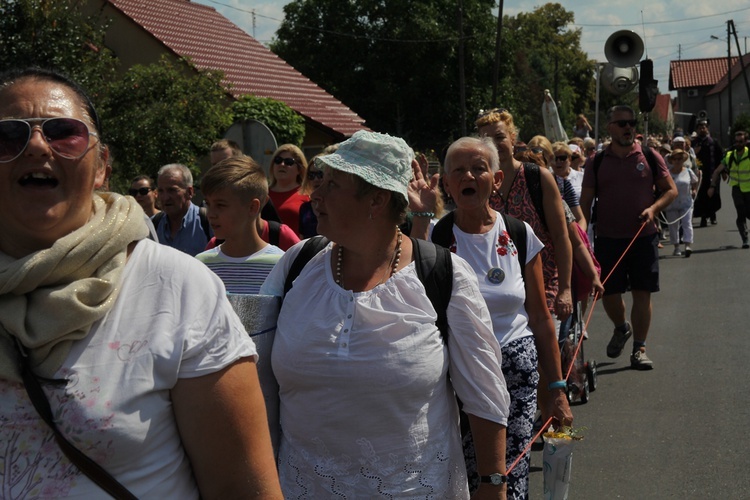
(660, 22)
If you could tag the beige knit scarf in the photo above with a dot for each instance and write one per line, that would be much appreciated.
(50, 299)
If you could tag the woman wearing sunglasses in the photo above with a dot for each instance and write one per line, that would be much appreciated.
(288, 169)
(142, 189)
(156, 385)
(308, 221)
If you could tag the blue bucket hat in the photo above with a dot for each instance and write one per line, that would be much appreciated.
(381, 160)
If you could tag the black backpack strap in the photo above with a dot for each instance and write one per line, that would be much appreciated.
(435, 270)
(309, 250)
(534, 183)
(274, 230)
(203, 215)
(517, 231)
(442, 233)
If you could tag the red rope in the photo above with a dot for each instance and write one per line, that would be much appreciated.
(578, 348)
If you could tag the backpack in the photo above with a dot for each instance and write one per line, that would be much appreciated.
(442, 234)
(433, 265)
(274, 230)
(202, 214)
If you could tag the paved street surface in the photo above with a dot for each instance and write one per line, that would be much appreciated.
(680, 430)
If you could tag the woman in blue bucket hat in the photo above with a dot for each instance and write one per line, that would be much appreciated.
(367, 406)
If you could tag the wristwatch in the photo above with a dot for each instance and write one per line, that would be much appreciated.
(496, 479)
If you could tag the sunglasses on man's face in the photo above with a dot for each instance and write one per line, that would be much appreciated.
(286, 161)
(140, 191)
(66, 137)
(622, 123)
(314, 174)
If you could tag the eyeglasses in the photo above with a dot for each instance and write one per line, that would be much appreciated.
(576, 157)
(141, 191)
(538, 151)
(286, 161)
(622, 123)
(66, 137)
(314, 174)
(561, 158)
(485, 112)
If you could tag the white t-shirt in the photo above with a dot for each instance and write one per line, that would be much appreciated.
(505, 300)
(171, 321)
(366, 406)
(242, 275)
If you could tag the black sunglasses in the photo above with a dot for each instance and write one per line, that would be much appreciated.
(622, 123)
(561, 158)
(576, 157)
(538, 151)
(286, 161)
(141, 191)
(314, 174)
(66, 137)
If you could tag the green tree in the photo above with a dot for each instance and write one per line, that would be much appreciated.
(394, 62)
(163, 113)
(287, 126)
(546, 55)
(54, 34)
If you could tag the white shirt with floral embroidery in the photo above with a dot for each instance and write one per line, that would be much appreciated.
(170, 321)
(505, 300)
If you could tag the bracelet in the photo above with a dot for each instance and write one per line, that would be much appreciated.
(560, 384)
(423, 214)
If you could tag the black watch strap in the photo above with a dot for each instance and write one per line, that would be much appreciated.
(497, 479)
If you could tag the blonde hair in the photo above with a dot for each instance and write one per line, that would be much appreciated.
(496, 116)
(241, 174)
(539, 141)
(298, 156)
(561, 146)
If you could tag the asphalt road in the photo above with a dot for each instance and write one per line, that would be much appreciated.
(677, 431)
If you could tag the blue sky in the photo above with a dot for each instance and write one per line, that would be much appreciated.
(671, 29)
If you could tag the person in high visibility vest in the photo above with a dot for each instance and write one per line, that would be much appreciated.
(737, 164)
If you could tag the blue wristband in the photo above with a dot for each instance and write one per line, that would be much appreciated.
(560, 384)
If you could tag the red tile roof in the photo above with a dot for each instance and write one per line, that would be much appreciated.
(736, 71)
(211, 41)
(691, 73)
(661, 109)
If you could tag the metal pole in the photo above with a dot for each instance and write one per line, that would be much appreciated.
(742, 59)
(729, 77)
(496, 68)
(461, 76)
(596, 116)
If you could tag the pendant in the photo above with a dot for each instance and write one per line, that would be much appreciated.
(496, 275)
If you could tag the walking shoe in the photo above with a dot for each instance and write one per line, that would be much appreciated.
(688, 252)
(639, 360)
(677, 252)
(703, 223)
(745, 243)
(618, 340)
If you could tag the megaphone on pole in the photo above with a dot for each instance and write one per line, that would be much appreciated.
(623, 50)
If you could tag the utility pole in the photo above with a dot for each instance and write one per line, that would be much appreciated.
(461, 76)
(742, 60)
(729, 72)
(496, 68)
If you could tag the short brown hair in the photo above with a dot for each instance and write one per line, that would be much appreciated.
(240, 174)
(222, 144)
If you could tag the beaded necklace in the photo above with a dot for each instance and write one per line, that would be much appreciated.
(394, 266)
